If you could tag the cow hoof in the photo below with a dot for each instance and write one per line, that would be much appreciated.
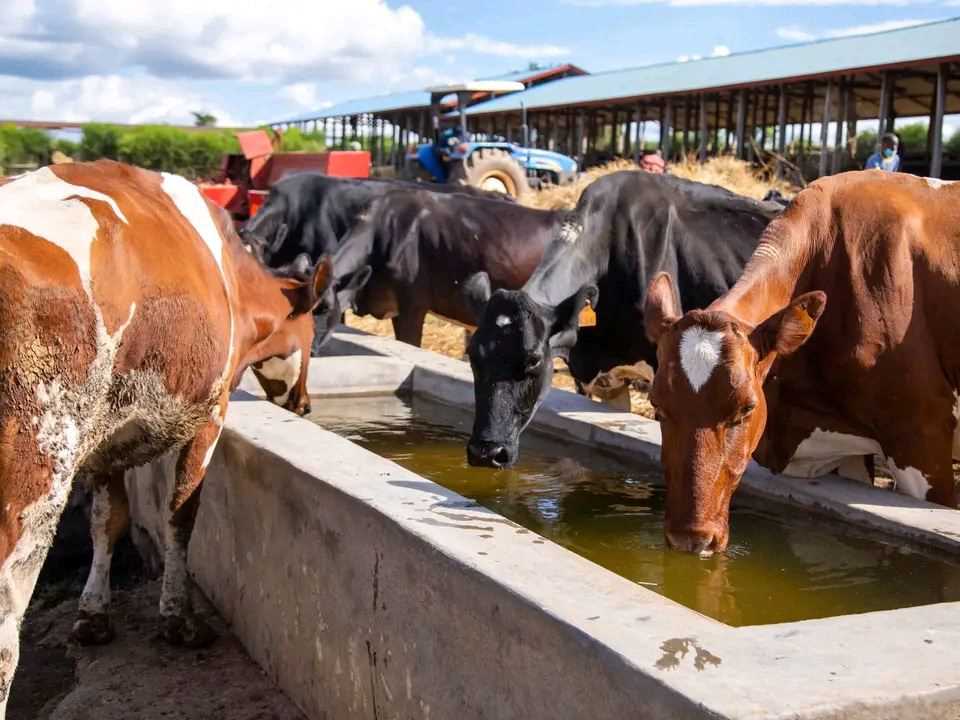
(187, 631)
(93, 629)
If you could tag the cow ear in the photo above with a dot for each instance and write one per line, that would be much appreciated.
(309, 294)
(787, 330)
(566, 319)
(278, 239)
(476, 291)
(350, 285)
(660, 307)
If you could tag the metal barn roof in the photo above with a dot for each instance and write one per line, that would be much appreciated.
(416, 99)
(823, 57)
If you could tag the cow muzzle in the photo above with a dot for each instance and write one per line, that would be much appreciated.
(703, 540)
(490, 454)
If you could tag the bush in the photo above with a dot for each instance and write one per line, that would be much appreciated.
(913, 138)
(100, 140)
(67, 147)
(952, 146)
(193, 155)
(24, 145)
(295, 140)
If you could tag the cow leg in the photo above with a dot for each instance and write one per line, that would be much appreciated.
(27, 529)
(109, 520)
(921, 463)
(408, 326)
(179, 625)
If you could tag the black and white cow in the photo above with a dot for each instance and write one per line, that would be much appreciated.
(627, 227)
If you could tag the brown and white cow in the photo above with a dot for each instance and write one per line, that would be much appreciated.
(872, 261)
(128, 310)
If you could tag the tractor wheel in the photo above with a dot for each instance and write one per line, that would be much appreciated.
(493, 170)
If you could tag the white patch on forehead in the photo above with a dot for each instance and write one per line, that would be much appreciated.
(48, 207)
(937, 183)
(699, 354)
(191, 204)
(503, 321)
(282, 370)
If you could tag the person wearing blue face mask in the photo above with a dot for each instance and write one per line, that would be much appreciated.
(887, 157)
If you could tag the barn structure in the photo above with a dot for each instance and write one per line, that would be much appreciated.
(797, 106)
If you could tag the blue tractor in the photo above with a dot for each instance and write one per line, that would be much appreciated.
(489, 163)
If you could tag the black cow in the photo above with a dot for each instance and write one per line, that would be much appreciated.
(416, 247)
(627, 227)
(311, 213)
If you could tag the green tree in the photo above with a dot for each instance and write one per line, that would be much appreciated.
(100, 140)
(952, 146)
(295, 140)
(913, 138)
(24, 145)
(203, 119)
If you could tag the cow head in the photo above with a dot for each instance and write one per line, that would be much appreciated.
(709, 399)
(266, 232)
(511, 355)
(282, 358)
(340, 296)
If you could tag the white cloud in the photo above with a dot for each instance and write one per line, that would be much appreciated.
(109, 98)
(793, 33)
(471, 42)
(720, 51)
(304, 94)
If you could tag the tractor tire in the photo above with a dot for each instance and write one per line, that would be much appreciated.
(489, 169)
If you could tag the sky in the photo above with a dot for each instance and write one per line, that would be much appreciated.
(143, 61)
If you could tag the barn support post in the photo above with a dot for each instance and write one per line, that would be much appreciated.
(579, 139)
(684, 142)
(627, 135)
(702, 149)
(781, 129)
(883, 115)
(825, 131)
(936, 129)
(741, 124)
(836, 164)
(615, 133)
(343, 132)
(640, 115)
(765, 122)
(666, 121)
(729, 127)
(716, 125)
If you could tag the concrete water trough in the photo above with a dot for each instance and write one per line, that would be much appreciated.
(366, 590)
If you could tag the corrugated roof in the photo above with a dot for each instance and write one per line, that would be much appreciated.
(377, 104)
(407, 100)
(894, 47)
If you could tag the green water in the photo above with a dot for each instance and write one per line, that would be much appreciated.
(782, 564)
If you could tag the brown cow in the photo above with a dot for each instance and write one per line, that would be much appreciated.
(875, 258)
(129, 309)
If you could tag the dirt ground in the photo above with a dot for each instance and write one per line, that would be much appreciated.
(137, 676)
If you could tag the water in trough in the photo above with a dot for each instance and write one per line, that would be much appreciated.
(782, 565)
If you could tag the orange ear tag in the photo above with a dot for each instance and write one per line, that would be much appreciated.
(588, 318)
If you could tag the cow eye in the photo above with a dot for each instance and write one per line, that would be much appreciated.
(533, 363)
(743, 415)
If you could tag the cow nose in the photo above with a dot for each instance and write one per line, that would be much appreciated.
(489, 455)
(699, 541)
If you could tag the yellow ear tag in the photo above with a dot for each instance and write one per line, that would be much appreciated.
(588, 318)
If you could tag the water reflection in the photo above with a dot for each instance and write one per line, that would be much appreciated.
(778, 568)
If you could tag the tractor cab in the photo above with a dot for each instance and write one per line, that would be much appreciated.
(455, 155)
